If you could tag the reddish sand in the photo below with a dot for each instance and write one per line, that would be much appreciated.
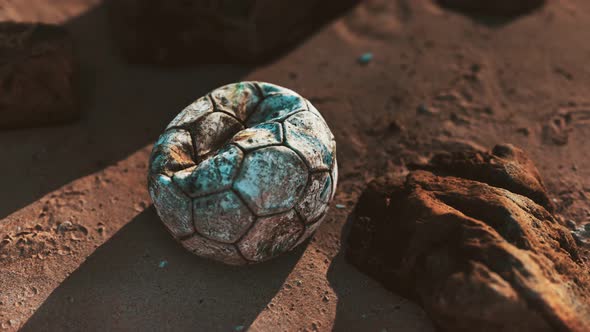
(522, 80)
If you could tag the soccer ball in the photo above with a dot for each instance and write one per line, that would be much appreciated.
(244, 173)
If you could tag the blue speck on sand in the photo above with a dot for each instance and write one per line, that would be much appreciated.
(163, 264)
(340, 206)
(365, 58)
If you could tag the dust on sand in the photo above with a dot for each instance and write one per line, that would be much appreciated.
(82, 248)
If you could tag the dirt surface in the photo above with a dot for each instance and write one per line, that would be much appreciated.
(82, 248)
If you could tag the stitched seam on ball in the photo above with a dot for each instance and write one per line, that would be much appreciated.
(286, 144)
(233, 117)
(256, 217)
(302, 222)
(262, 98)
(302, 193)
(237, 193)
(289, 116)
(237, 247)
(216, 109)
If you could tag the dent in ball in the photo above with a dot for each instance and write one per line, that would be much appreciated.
(212, 175)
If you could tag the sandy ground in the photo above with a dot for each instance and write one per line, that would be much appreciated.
(521, 80)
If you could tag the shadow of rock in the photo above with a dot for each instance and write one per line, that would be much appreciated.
(124, 108)
(141, 279)
(492, 13)
(362, 297)
(177, 33)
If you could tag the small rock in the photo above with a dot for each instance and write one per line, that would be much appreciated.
(64, 226)
(365, 58)
(425, 110)
(524, 131)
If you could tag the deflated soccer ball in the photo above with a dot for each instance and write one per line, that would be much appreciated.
(244, 173)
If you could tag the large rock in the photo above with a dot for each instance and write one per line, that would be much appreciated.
(37, 73)
(174, 32)
(479, 254)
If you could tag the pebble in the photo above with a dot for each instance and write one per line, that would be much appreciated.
(365, 58)
(524, 131)
(425, 110)
(163, 264)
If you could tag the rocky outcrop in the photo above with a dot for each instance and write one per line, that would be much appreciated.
(469, 236)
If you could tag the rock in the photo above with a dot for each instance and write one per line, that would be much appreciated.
(493, 8)
(505, 167)
(177, 32)
(477, 252)
(37, 73)
(423, 109)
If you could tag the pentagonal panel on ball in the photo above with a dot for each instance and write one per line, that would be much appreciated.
(310, 136)
(271, 179)
(227, 253)
(259, 136)
(173, 207)
(190, 114)
(271, 236)
(214, 174)
(213, 131)
(172, 152)
(221, 217)
(238, 99)
(277, 107)
(315, 197)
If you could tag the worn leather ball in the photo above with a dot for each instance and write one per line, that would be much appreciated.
(244, 173)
